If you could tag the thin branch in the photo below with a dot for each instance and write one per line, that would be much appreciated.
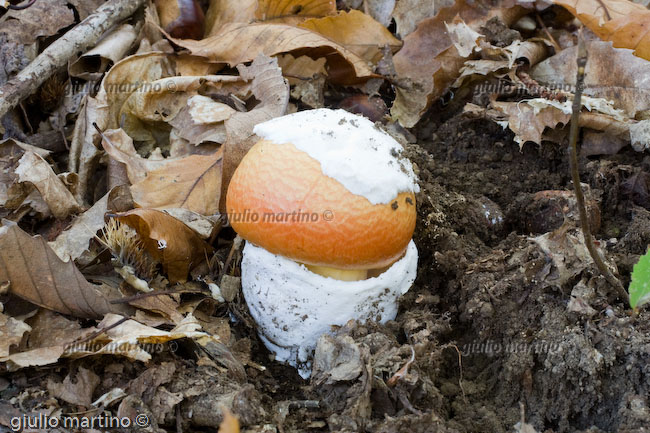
(79, 38)
(575, 175)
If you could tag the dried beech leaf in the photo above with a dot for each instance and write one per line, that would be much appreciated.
(528, 123)
(272, 90)
(357, 32)
(168, 240)
(128, 338)
(120, 147)
(223, 12)
(611, 73)
(43, 19)
(623, 22)
(73, 242)
(409, 13)
(37, 275)
(292, 11)
(110, 49)
(192, 183)
(34, 169)
(238, 43)
(77, 391)
(12, 333)
(430, 61)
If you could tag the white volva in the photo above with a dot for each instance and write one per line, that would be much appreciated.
(294, 306)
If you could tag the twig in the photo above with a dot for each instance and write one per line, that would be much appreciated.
(575, 175)
(83, 35)
(22, 6)
(150, 294)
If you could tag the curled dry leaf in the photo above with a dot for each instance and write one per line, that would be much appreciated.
(237, 43)
(73, 241)
(429, 60)
(110, 49)
(38, 275)
(357, 32)
(623, 22)
(167, 240)
(611, 73)
(34, 169)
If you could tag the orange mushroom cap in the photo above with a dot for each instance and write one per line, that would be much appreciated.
(280, 200)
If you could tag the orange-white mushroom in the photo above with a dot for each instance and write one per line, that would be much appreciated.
(326, 202)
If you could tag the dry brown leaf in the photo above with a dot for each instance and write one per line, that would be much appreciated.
(42, 20)
(380, 10)
(272, 90)
(409, 13)
(73, 242)
(238, 43)
(77, 391)
(230, 423)
(293, 11)
(167, 240)
(306, 77)
(132, 339)
(36, 274)
(623, 22)
(11, 331)
(34, 169)
(221, 12)
(611, 73)
(527, 123)
(430, 61)
(49, 334)
(192, 183)
(111, 49)
(357, 32)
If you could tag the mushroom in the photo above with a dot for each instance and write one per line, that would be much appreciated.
(326, 202)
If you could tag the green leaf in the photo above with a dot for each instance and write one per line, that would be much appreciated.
(640, 284)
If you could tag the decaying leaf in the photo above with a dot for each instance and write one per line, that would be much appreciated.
(409, 13)
(167, 240)
(623, 22)
(12, 331)
(238, 43)
(110, 49)
(44, 19)
(293, 11)
(34, 169)
(356, 31)
(38, 275)
(73, 242)
(77, 391)
(611, 73)
(223, 12)
(193, 183)
(430, 60)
